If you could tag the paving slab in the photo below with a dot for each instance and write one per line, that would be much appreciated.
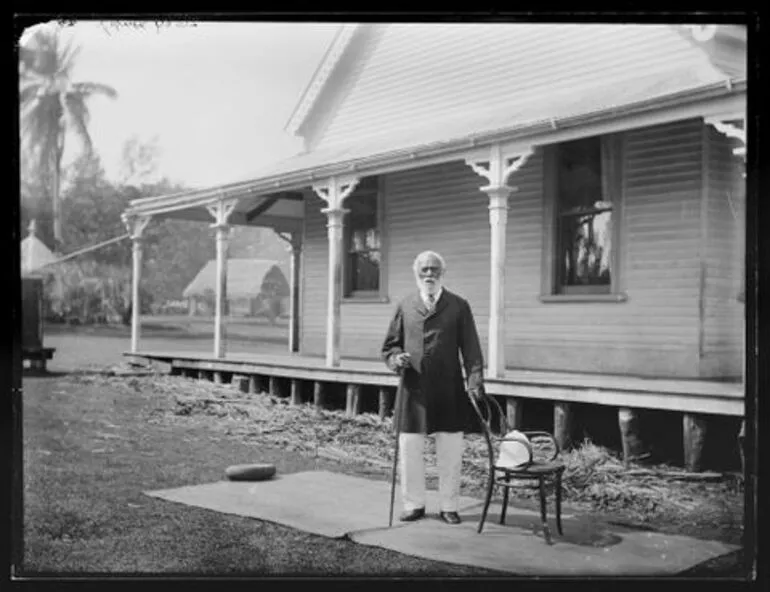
(587, 547)
(337, 505)
(318, 502)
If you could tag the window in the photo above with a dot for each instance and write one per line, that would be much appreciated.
(363, 262)
(584, 185)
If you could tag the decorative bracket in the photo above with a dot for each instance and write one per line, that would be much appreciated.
(221, 211)
(292, 239)
(500, 164)
(335, 189)
(135, 225)
(722, 125)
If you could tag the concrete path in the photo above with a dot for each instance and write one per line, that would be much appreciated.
(318, 502)
(337, 505)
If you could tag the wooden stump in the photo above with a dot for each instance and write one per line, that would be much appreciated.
(252, 384)
(202, 375)
(513, 413)
(385, 402)
(318, 395)
(296, 392)
(218, 377)
(630, 434)
(563, 424)
(353, 400)
(242, 382)
(274, 386)
(694, 439)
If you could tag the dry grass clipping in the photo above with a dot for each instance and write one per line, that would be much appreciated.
(593, 475)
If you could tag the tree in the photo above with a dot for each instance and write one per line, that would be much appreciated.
(94, 207)
(52, 105)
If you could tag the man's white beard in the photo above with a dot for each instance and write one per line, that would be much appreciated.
(429, 288)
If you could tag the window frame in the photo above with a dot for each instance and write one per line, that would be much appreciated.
(612, 155)
(379, 295)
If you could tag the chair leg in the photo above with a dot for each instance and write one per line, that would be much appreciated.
(558, 503)
(490, 486)
(543, 515)
(504, 509)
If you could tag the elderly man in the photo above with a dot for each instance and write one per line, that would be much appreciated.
(430, 330)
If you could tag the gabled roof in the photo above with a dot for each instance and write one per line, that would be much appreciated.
(320, 77)
(548, 111)
(396, 96)
(244, 277)
(421, 74)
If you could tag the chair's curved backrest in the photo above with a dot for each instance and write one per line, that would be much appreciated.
(542, 445)
(485, 407)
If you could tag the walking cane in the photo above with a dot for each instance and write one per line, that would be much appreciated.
(396, 416)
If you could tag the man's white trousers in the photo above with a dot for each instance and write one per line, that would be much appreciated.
(449, 455)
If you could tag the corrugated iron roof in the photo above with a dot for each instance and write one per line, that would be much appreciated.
(375, 131)
(400, 75)
(244, 277)
(550, 108)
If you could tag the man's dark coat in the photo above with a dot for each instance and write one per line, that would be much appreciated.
(432, 390)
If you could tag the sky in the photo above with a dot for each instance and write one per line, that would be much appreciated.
(214, 96)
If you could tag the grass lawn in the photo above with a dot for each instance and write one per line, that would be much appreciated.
(93, 444)
(90, 451)
(183, 327)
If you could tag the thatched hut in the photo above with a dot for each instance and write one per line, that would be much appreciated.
(255, 287)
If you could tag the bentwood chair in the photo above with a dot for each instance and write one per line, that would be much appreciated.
(514, 461)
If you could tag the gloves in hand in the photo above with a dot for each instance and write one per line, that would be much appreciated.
(400, 361)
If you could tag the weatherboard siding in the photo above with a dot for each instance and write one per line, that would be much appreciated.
(457, 69)
(723, 320)
(655, 332)
(439, 207)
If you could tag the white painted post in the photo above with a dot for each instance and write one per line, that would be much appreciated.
(221, 212)
(221, 294)
(334, 289)
(498, 219)
(135, 226)
(296, 253)
(500, 167)
(333, 192)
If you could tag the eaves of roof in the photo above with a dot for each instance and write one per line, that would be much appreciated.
(306, 169)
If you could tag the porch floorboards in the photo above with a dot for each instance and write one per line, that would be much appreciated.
(685, 395)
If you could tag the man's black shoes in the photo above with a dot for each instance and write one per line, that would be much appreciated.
(450, 517)
(412, 515)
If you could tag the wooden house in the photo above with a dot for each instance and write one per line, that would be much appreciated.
(584, 182)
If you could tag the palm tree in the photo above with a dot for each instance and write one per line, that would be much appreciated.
(51, 105)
